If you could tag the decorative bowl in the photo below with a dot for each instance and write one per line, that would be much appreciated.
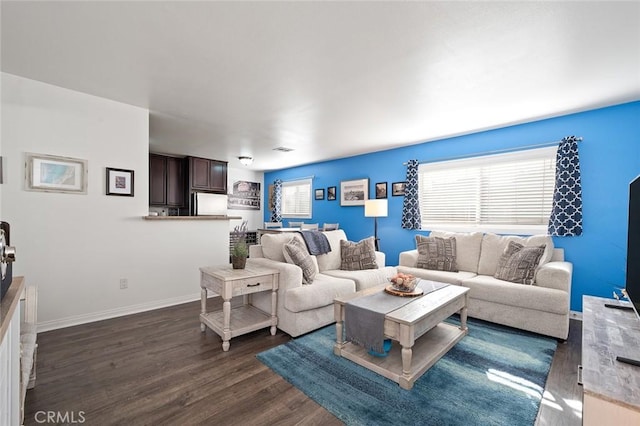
(404, 282)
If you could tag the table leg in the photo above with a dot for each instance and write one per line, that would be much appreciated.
(405, 380)
(203, 307)
(463, 313)
(339, 316)
(463, 318)
(406, 341)
(226, 331)
(274, 305)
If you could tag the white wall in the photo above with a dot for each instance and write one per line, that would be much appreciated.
(76, 248)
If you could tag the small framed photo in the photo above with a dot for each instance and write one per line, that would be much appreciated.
(50, 173)
(331, 193)
(397, 188)
(120, 182)
(354, 192)
(319, 194)
(381, 190)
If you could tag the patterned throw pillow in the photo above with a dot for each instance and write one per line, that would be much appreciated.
(358, 256)
(518, 263)
(296, 252)
(437, 253)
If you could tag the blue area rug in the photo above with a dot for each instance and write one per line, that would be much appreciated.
(494, 376)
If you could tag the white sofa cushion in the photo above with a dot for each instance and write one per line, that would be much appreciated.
(273, 244)
(467, 248)
(332, 260)
(365, 278)
(321, 293)
(441, 276)
(494, 245)
(525, 296)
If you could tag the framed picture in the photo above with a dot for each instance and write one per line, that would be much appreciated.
(381, 190)
(244, 195)
(50, 173)
(119, 182)
(331, 193)
(319, 194)
(354, 192)
(397, 188)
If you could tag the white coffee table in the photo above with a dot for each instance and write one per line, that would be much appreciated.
(417, 326)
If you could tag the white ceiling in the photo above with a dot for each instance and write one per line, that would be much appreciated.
(328, 79)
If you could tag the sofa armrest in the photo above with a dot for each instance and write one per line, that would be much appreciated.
(381, 258)
(409, 258)
(555, 275)
(290, 275)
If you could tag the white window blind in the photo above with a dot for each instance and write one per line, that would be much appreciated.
(296, 199)
(510, 192)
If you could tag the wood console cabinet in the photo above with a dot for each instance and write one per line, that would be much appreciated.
(167, 183)
(207, 175)
(611, 389)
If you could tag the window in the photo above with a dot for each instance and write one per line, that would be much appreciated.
(509, 193)
(296, 199)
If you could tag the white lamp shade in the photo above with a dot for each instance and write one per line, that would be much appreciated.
(375, 208)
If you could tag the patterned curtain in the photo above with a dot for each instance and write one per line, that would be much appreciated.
(411, 204)
(276, 214)
(566, 214)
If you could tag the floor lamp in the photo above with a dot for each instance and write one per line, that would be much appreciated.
(375, 209)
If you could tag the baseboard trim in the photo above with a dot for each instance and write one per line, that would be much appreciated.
(575, 315)
(114, 313)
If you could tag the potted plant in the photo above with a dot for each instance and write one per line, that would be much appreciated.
(239, 248)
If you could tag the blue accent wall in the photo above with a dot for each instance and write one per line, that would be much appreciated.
(609, 160)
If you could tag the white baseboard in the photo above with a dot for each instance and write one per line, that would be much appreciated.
(113, 313)
(575, 315)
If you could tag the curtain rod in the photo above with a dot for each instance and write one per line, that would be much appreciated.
(497, 151)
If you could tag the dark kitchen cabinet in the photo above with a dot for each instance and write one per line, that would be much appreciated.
(167, 181)
(176, 182)
(207, 175)
(200, 174)
(157, 180)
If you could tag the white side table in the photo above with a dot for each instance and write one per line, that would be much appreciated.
(228, 283)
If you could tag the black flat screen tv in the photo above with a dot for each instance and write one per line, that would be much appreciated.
(632, 282)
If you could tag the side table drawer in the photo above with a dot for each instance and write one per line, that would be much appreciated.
(252, 285)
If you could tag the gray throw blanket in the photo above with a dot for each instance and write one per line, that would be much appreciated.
(316, 241)
(364, 316)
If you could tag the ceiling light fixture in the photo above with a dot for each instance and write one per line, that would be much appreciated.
(245, 161)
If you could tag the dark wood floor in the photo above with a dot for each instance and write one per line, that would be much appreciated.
(157, 368)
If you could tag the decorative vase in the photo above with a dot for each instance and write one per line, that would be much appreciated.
(238, 262)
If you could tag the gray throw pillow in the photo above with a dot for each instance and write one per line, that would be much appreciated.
(296, 252)
(358, 256)
(436, 253)
(518, 263)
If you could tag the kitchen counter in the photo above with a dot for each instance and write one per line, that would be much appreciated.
(9, 303)
(191, 217)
